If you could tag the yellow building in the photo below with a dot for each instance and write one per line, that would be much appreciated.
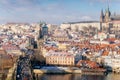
(60, 58)
(62, 46)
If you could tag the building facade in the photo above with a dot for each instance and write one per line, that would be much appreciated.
(108, 23)
(43, 30)
(60, 58)
(80, 25)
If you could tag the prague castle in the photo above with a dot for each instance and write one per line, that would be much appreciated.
(108, 23)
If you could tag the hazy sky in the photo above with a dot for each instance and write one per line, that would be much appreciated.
(54, 11)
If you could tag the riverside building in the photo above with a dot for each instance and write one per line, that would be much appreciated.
(60, 58)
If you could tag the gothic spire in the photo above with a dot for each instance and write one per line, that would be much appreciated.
(102, 16)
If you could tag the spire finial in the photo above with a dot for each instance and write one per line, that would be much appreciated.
(107, 10)
(108, 4)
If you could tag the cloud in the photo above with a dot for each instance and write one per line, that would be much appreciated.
(36, 10)
(104, 1)
(29, 10)
(86, 18)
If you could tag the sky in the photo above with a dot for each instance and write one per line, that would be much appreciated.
(54, 11)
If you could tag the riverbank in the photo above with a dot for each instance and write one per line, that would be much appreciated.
(68, 70)
(110, 76)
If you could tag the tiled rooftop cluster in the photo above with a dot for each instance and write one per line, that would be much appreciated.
(95, 50)
(13, 38)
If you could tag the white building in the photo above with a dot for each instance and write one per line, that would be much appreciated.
(81, 25)
(114, 63)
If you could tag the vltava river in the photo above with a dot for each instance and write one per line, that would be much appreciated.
(110, 76)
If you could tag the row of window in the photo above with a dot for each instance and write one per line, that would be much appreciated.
(60, 62)
(60, 58)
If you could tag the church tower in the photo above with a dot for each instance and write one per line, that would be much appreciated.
(44, 30)
(107, 15)
(102, 16)
(40, 33)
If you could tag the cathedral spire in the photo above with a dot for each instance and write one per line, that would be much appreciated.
(108, 4)
(107, 13)
(108, 10)
(102, 16)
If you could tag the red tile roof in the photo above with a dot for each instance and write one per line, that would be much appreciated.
(10, 47)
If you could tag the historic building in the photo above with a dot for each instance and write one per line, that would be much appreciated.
(109, 23)
(60, 58)
(60, 35)
(43, 31)
(42, 34)
(80, 25)
(108, 17)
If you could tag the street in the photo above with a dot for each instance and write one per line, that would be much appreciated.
(24, 69)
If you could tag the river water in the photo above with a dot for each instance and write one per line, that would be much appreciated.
(110, 76)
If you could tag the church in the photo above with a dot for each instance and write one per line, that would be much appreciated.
(110, 22)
